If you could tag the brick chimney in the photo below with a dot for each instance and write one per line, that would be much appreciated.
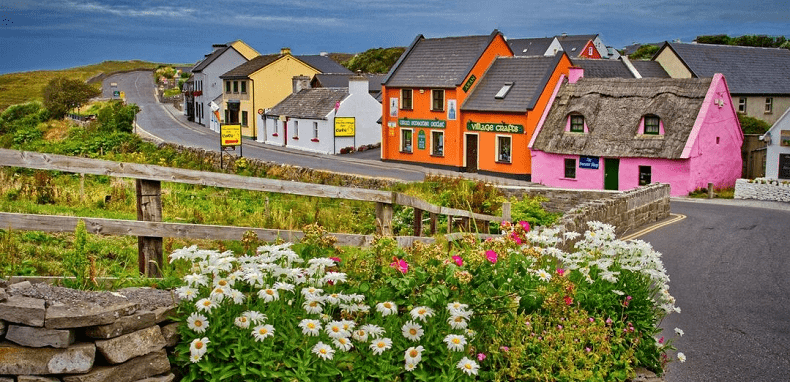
(284, 51)
(300, 82)
(574, 73)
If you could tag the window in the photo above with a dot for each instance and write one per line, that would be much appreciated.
(769, 105)
(742, 104)
(405, 99)
(437, 143)
(652, 125)
(244, 118)
(315, 130)
(438, 100)
(503, 92)
(577, 123)
(227, 86)
(590, 51)
(645, 175)
(276, 128)
(296, 130)
(405, 140)
(503, 149)
(570, 168)
(243, 87)
(235, 86)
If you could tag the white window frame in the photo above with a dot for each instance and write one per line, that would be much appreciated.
(742, 102)
(276, 130)
(433, 152)
(510, 153)
(769, 105)
(402, 146)
(444, 99)
(315, 130)
(296, 130)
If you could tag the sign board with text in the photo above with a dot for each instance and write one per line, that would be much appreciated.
(230, 135)
(495, 127)
(429, 123)
(589, 162)
(345, 126)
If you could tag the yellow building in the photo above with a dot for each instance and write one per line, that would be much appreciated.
(257, 85)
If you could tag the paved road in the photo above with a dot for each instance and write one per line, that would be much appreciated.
(729, 268)
(170, 125)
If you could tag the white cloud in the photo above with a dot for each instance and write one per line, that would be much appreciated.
(124, 11)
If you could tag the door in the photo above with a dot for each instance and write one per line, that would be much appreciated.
(784, 166)
(471, 153)
(611, 174)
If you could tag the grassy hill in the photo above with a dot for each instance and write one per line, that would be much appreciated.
(16, 88)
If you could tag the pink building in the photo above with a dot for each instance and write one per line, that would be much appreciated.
(618, 134)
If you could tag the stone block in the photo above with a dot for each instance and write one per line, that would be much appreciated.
(35, 378)
(170, 334)
(164, 378)
(3, 328)
(120, 349)
(5, 379)
(23, 310)
(3, 295)
(132, 370)
(123, 325)
(80, 315)
(16, 287)
(18, 360)
(40, 337)
(164, 313)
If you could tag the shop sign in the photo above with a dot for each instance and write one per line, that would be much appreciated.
(589, 162)
(231, 135)
(344, 126)
(495, 127)
(469, 83)
(421, 140)
(429, 123)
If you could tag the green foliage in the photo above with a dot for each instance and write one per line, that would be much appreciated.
(763, 41)
(375, 60)
(76, 261)
(25, 116)
(752, 125)
(645, 52)
(62, 95)
(117, 117)
(530, 210)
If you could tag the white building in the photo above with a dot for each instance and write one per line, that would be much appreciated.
(777, 156)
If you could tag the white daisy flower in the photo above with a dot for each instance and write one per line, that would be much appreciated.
(186, 293)
(198, 345)
(679, 332)
(335, 277)
(310, 327)
(255, 316)
(468, 366)
(410, 366)
(360, 335)
(311, 292)
(242, 322)
(342, 343)
(543, 275)
(261, 332)
(348, 325)
(455, 342)
(457, 322)
(335, 329)
(374, 331)
(205, 305)
(386, 308)
(681, 357)
(333, 298)
(217, 294)
(284, 286)
(197, 323)
(323, 350)
(237, 296)
(222, 283)
(195, 357)
(269, 294)
(413, 354)
(412, 331)
(456, 306)
(196, 279)
(313, 306)
(378, 346)
(421, 313)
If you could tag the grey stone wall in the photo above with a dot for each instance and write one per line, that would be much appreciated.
(763, 189)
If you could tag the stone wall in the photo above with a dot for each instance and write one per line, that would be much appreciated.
(53, 334)
(763, 189)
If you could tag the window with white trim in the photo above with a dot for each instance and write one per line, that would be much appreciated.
(769, 105)
(315, 130)
(437, 99)
(437, 143)
(406, 136)
(503, 148)
(742, 105)
(296, 130)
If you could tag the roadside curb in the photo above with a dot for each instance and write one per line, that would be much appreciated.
(772, 205)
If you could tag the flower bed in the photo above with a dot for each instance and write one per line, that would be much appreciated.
(514, 308)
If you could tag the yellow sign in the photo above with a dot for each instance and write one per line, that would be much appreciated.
(230, 135)
(344, 126)
(123, 95)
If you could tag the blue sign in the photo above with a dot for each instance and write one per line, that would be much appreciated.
(589, 162)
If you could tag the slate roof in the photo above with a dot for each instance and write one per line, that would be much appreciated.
(530, 46)
(244, 70)
(595, 68)
(650, 69)
(310, 103)
(529, 76)
(337, 80)
(211, 57)
(748, 70)
(438, 62)
(612, 109)
(573, 44)
(323, 64)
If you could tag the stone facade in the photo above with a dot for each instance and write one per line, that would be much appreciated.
(763, 189)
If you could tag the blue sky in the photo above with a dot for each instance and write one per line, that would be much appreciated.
(56, 34)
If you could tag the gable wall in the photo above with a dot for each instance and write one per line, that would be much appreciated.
(775, 149)
(672, 64)
(272, 84)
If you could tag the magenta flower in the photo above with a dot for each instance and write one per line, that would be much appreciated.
(524, 225)
(515, 238)
(458, 260)
(481, 356)
(336, 259)
(491, 256)
(400, 265)
(504, 349)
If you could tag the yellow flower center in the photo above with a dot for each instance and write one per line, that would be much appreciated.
(468, 365)
(222, 283)
(421, 311)
(198, 323)
(270, 292)
(414, 353)
(335, 329)
(413, 331)
(456, 341)
(381, 344)
(322, 351)
(459, 319)
(263, 331)
(387, 305)
(207, 303)
(311, 325)
(218, 290)
(198, 345)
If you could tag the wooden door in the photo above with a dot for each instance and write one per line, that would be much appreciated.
(611, 174)
(471, 153)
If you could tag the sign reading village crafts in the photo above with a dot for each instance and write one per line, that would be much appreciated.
(429, 123)
(495, 127)
(345, 126)
(230, 135)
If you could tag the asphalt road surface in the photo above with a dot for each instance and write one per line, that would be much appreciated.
(729, 269)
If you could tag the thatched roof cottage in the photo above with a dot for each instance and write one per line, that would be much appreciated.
(618, 134)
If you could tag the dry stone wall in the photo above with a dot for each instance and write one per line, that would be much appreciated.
(54, 334)
(763, 189)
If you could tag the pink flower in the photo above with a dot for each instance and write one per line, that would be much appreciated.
(592, 319)
(587, 349)
(515, 238)
(491, 256)
(568, 300)
(524, 225)
(661, 340)
(504, 349)
(608, 320)
(336, 259)
(458, 260)
(400, 265)
(560, 271)
(481, 356)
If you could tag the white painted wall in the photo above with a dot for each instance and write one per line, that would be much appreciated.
(775, 148)
(212, 85)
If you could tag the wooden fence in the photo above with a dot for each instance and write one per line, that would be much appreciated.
(150, 229)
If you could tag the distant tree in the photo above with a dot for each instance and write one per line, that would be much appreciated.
(763, 41)
(719, 39)
(751, 125)
(376, 60)
(117, 117)
(62, 95)
(645, 52)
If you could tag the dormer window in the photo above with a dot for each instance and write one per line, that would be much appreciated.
(503, 92)
(577, 123)
(652, 125)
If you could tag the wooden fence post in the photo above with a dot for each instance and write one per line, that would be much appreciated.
(384, 218)
(449, 224)
(506, 211)
(434, 218)
(149, 208)
(417, 222)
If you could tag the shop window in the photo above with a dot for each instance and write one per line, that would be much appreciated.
(645, 175)
(742, 105)
(244, 118)
(406, 99)
(315, 130)
(437, 143)
(437, 97)
(577, 123)
(243, 87)
(406, 140)
(652, 125)
(503, 149)
(570, 168)
(769, 105)
(227, 86)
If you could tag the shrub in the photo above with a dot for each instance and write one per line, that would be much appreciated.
(62, 95)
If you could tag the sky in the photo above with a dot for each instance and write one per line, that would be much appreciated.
(58, 34)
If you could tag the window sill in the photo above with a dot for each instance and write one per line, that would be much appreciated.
(575, 132)
(409, 109)
(503, 162)
(295, 138)
(573, 179)
(275, 135)
(650, 136)
(437, 155)
(406, 152)
(314, 140)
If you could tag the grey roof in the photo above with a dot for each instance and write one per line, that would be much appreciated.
(249, 67)
(574, 44)
(211, 57)
(748, 70)
(336, 80)
(530, 46)
(438, 62)
(310, 103)
(650, 69)
(323, 64)
(629, 49)
(612, 109)
(596, 68)
(529, 76)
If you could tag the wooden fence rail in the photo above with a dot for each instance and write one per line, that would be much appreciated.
(150, 230)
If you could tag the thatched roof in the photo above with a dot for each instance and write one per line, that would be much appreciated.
(612, 110)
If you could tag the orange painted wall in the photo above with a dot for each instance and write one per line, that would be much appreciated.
(586, 50)
(521, 158)
(453, 137)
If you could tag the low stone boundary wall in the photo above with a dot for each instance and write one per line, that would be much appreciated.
(763, 189)
(54, 334)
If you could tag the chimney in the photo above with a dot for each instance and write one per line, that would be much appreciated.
(284, 51)
(357, 84)
(574, 73)
(324, 54)
(300, 82)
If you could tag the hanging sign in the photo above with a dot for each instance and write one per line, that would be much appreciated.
(469, 83)
(421, 140)
(344, 126)
(230, 135)
(495, 127)
(429, 123)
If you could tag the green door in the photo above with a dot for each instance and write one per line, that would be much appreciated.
(611, 174)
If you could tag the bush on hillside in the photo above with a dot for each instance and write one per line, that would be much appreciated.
(376, 60)
(117, 117)
(62, 95)
(23, 116)
(645, 52)
(752, 125)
